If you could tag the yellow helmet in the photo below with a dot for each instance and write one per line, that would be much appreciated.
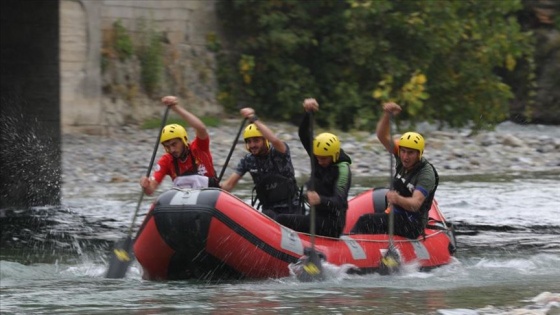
(251, 131)
(173, 131)
(327, 144)
(413, 140)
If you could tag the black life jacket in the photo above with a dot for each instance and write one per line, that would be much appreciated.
(324, 179)
(324, 183)
(275, 189)
(400, 183)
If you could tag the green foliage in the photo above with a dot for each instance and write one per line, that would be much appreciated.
(441, 60)
(123, 42)
(211, 121)
(151, 59)
(212, 42)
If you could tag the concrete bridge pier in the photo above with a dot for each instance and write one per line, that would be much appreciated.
(30, 170)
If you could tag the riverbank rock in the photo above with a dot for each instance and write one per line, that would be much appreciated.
(124, 153)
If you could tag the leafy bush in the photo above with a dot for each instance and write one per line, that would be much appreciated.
(439, 59)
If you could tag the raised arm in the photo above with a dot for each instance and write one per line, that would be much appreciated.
(309, 105)
(191, 119)
(278, 144)
(383, 130)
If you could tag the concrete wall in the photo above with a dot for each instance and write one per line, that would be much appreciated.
(93, 100)
(80, 71)
(183, 21)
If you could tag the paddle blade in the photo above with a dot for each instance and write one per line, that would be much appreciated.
(120, 260)
(391, 262)
(309, 267)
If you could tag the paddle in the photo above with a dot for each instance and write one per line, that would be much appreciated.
(121, 256)
(312, 269)
(390, 262)
(231, 150)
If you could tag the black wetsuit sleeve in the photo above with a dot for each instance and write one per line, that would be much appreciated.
(339, 201)
(304, 135)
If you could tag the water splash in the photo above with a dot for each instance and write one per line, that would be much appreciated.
(47, 235)
(31, 159)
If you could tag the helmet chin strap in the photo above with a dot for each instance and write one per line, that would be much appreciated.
(183, 155)
(264, 152)
(267, 149)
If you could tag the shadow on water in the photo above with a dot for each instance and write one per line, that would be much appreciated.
(47, 234)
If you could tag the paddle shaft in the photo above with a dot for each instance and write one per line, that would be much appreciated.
(231, 150)
(311, 267)
(312, 213)
(163, 121)
(121, 255)
(391, 212)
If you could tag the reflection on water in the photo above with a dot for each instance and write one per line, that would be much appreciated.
(508, 253)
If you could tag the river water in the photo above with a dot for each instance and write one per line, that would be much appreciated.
(507, 261)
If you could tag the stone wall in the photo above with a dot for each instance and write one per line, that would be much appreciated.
(94, 98)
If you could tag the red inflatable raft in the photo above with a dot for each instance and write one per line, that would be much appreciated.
(209, 234)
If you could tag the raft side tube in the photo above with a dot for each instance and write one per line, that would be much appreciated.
(175, 230)
(369, 201)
